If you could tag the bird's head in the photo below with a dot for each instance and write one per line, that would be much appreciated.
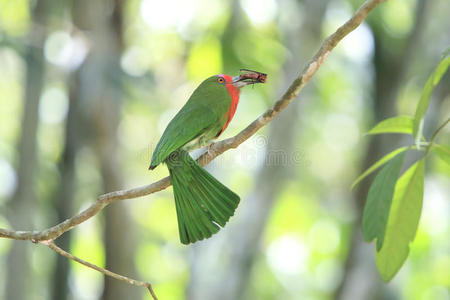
(234, 83)
(245, 77)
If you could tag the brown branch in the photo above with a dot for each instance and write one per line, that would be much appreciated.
(52, 245)
(215, 149)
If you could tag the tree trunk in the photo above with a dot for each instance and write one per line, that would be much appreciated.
(65, 195)
(101, 97)
(19, 279)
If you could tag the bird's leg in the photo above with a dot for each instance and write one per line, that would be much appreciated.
(209, 148)
(207, 144)
(199, 143)
(194, 144)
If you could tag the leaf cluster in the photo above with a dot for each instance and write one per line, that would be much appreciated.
(394, 202)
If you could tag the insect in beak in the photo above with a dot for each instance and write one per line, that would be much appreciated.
(248, 77)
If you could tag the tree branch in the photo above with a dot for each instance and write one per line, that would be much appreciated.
(215, 149)
(128, 280)
(48, 235)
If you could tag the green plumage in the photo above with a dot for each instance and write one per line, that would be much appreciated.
(203, 204)
(203, 116)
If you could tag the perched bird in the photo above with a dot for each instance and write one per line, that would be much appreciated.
(203, 204)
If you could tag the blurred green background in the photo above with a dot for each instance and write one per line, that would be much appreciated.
(87, 88)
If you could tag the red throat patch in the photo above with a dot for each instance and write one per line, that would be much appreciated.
(234, 93)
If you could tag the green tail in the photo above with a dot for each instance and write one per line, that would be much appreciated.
(203, 204)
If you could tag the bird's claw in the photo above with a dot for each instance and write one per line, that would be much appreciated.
(209, 149)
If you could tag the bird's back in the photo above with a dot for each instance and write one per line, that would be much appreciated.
(204, 112)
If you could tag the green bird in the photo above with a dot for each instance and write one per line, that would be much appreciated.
(203, 204)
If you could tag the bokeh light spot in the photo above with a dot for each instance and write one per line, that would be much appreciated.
(64, 50)
(260, 11)
(205, 59)
(359, 45)
(397, 16)
(54, 106)
(7, 178)
(167, 14)
(134, 61)
(324, 236)
(288, 255)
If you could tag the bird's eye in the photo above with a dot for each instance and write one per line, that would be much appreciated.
(220, 80)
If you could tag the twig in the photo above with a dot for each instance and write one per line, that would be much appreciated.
(435, 134)
(128, 280)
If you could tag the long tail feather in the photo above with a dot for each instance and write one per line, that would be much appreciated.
(203, 204)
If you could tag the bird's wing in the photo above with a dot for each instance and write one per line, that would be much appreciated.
(189, 123)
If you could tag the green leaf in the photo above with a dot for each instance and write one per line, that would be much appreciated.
(432, 81)
(378, 164)
(399, 124)
(442, 151)
(379, 198)
(402, 222)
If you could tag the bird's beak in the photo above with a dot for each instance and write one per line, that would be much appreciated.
(248, 77)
